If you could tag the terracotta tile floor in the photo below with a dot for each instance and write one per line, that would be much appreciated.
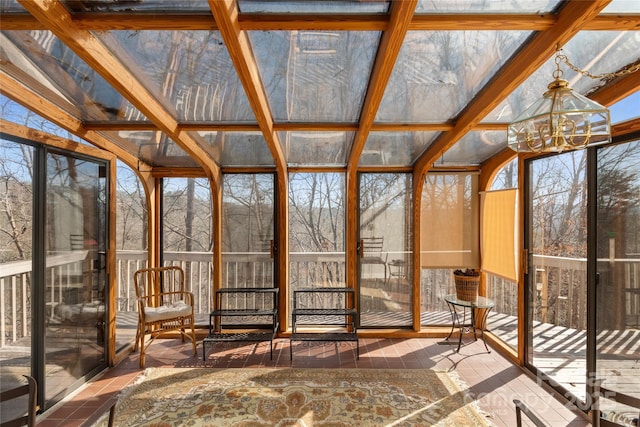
(493, 380)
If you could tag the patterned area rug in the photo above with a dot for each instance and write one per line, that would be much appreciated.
(296, 397)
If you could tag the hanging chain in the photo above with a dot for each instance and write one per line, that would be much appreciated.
(607, 76)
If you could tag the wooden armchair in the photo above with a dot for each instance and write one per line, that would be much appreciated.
(163, 306)
(28, 416)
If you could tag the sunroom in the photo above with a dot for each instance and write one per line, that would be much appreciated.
(303, 144)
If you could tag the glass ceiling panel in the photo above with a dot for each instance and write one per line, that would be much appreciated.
(191, 70)
(306, 6)
(395, 148)
(626, 109)
(622, 6)
(11, 6)
(315, 76)
(474, 148)
(439, 72)
(137, 5)
(56, 73)
(598, 52)
(486, 6)
(316, 148)
(152, 147)
(238, 149)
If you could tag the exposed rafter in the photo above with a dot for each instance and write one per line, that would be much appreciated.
(353, 22)
(400, 18)
(226, 15)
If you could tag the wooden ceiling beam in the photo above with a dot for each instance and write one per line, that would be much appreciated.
(617, 89)
(237, 41)
(58, 20)
(105, 21)
(624, 128)
(388, 51)
(525, 62)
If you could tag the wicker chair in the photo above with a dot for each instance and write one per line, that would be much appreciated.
(163, 306)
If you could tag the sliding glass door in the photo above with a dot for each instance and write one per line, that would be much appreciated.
(53, 281)
(75, 283)
(617, 295)
(583, 288)
(556, 239)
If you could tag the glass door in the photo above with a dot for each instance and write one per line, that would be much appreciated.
(384, 249)
(248, 246)
(617, 296)
(556, 238)
(74, 290)
(16, 256)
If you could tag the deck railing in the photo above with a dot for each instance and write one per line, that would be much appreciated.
(559, 281)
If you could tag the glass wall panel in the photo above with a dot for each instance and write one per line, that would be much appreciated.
(16, 223)
(385, 249)
(556, 281)
(395, 148)
(241, 149)
(449, 239)
(187, 237)
(503, 319)
(618, 268)
(76, 284)
(316, 230)
(316, 148)
(131, 250)
(248, 227)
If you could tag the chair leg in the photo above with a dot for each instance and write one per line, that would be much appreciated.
(142, 351)
(192, 337)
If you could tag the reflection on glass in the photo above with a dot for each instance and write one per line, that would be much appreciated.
(238, 148)
(185, 6)
(316, 148)
(438, 72)
(66, 80)
(76, 285)
(557, 288)
(386, 237)
(480, 6)
(618, 290)
(305, 6)
(153, 147)
(474, 148)
(248, 247)
(16, 254)
(395, 148)
(190, 70)
(315, 76)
